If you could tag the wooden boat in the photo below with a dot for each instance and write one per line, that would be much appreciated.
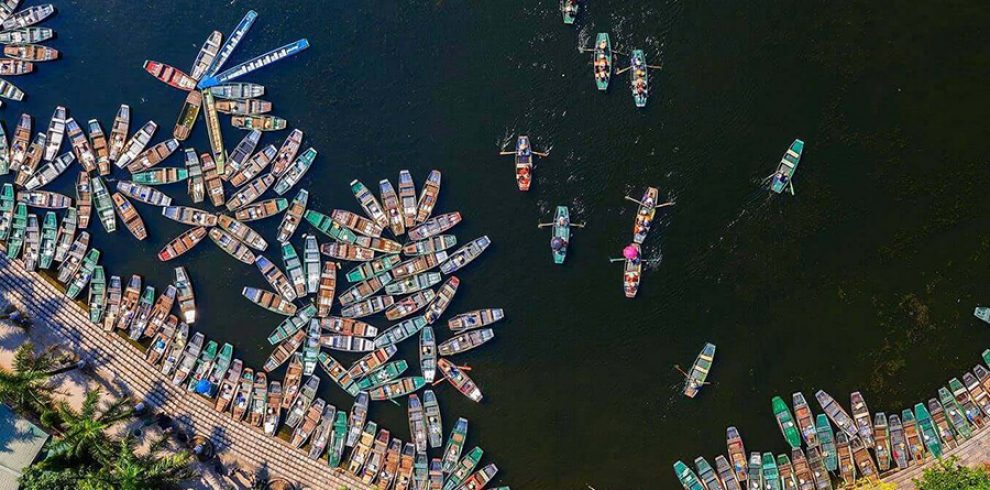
(771, 473)
(638, 77)
(465, 255)
(434, 244)
(170, 75)
(865, 468)
(417, 423)
(329, 227)
(915, 446)
(276, 278)
(645, 214)
(475, 319)
(785, 422)
(259, 400)
(49, 233)
(755, 470)
(186, 296)
(344, 251)
(737, 453)
(369, 204)
(142, 313)
(292, 381)
(788, 165)
(113, 304)
(32, 243)
(371, 362)
(376, 457)
(7, 211)
(455, 444)
(357, 418)
(969, 409)
(413, 284)
(228, 387)
(836, 413)
(391, 465)
(287, 152)
(459, 379)
(561, 234)
(190, 216)
(237, 90)
(207, 54)
(444, 296)
(980, 397)
(418, 265)
(465, 341)
(434, 420)
(161, 176)
(56, 130)
(153, 156)
(695, 379)
(242, 399)
(826, 440)
(44, 199)
(805, 419)
(728, 477)
(84, 200)
(569, 10)
(118, 132)
(132, 220)
(261, 210)
(252, 167)
(135, 146)
(29, 53)
(898, 443)
(311, 348)
(861, 417)
(10, 91)
(311, 264)
(26, 35)
(302, 402)
(929, 433)
(220, 369)
(28, 17)
(428, 198)
(143, 193)
(242, 232)
(347, 327)
(294, 269)
(322, 433)
(407, 199)
(362, 447)
(80, 145)
(229, 244)
(327, 289)
(255, 63)
(176, 349)
(187, 358)
(435, 226)
(162, 341)
(401, 331)
(243, 107)
(31, 159)
(4, 153)
(377, 244)
(370, 306)
(945, 431)
(288, 327)
(338, 373)
(160, 310)
(524, 163)
(428, 354)
(404, 473)
(421, 472)
(373, 268)
(363, 290)
(603, 61)
(215, 135)
(7, 8)
(18, 230)
(19, 144)
(188, 115)
(707, 474)
(73, 258)
(435, 477)
(284, 351)
(983, 313)
(309, 422)
(49, 171)
(816, 462)
(259, 122)
(98, 141)
(273, 414)
(269, 301)
(295, 172)
(356, 223)
(393, 211)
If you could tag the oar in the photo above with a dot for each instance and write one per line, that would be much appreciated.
(622, 70)
(637, 201)
(578, 225)
(620, 52)
(544, 155)
(668, 203)
(792, 187)
(616, 260)
(464, 368)
(439, 381)
(506, 153)
(544, 225)
(395, 402)
(678, 367)
(654, 67)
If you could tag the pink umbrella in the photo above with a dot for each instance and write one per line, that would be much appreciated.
(630, 252)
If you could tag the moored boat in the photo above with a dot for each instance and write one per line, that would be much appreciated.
(292, 381)
(465, 341)
(84, 199)
(459, 379)
(18, 229)
(428, 198)
(275, 277)
(237, 90)
(242, 232)
(307, 393)
(434, 420)
(243, 107)
(132, 220)
(397, 388)
(338, 373)
(288, 327)
(273, 414)
(444, 296)
(196, 183)
(428, 354)
(347, 327)
(28, 17)
(929, 433)
(44, 199)
(98, 140)
(189, 216)
(188, 115)
(104, 204)
(465, 255)
(826, 439)
(186, 295)
(861, 417)
(327, 289)
(242, 398)
(229, 244)
(135, 146)
(836, 413)
(259, 400)
(373, 268)
(430, 245)
(269, 301)
(207, 54)
(73, 258)
(118, 133)
(413, 284)
(49, 234)
(390, 202)
(294, 269)
(347, 343)
(261, 210)
(228, 386)
(435, 226)
(26, 35)
(371, 362)
(170, 75)
(49, 171)
(153, 156)
(865, 467)
(29, 53)
(401, 331)
(785, 422)
(287, 152)
(143, 193)
(898, 443)
(945, 431)
(187, 358)
(293, 216)
(161, 176)
(369, 203)
(259, 122)
(345, 251)
(737, 453)
(284, 351)
(292, 175)
(252, 167)
(32, 243)
(915, 446)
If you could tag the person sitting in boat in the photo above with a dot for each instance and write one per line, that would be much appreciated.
(562, 221)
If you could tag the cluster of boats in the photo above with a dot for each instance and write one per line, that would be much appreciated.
(852, 445)
(21, 36)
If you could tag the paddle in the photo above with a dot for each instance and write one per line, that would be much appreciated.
(654, 67)
(544, 155)
(544, 225)
(678, 367)
(622, 70)
(792, 187)
(506, 153)
(578, 225)
(611, 259)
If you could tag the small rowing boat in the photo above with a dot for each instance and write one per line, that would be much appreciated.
(465, 341)
(329, 227)
(132, 220)
(805, 419)
(699, 371)
(785, 422)
(250, 192)
(302, 402)
(269, 301)
(241, 153)
(84, 199)
(356, 223)
(31, 53)
(382, 375)
(186, 296)
(401, 331)
(370, 306)
(188, 115)
(294, 269)
(524, 163)
(28, 17)
(475, 319)
(18, 230)
(288, 327)
(170, 75)
(929, 434)
(229, 244)
(455, 445)
(459, 379)
(603, 61)
(295, 172)
(561, 234)
(228, 386)
(32, 243)
(215, 134)
(638, 78)
(410, 304)
(259, 122)
(428, 198)
(348, 327)
(237, 90)
(242, 398)
(826, 438)
(49, 234)
(242, 232)
(371, 362)
(50, 171)
(369, 204)
(311, 263)
(430, 245)
(364, 289)
(56, 132)
(284, 351)
(788, 165)
(645, 214)
(413, 284)
(465, 255)
(243, 107)
(196, 187)
(135, 146)
(207, 53)
(287, 153)
(143, 193)
(836, 413)
(373, 268)
(338, 373)
(435, 226)
(189, 216)
(632, 273)
(397, 388)
(118, 132)
(444, 296)
(428, 354)
(153, 156)
(99, 144)
(327, 289)
(569, 10)
(347, 343)
(345, 251)
(275, 277)
(262, 209)
(253, 167)
(434, 421)
(273, 414)
(390, 201)
(26, 35)
(44, 199)
(861, 417)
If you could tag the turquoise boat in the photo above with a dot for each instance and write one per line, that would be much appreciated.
(771, 474)
(983, 313)
(329, 227)
(603, 61)
(97, 295)
(382, 375)
(929, 433)
(788, 165)
(224, 358)
(638, 78)
(6, 210)
(465, 466)
(785, 421)
(337, 440)
(826, 439)
(373, 268)
(160, 176)
(49, 232)
(203, 365)
(18, 228)
(955, 412)
(561, 234)
(569, 10)
(85, 273)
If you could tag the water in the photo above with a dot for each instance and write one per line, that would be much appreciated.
(865, 280)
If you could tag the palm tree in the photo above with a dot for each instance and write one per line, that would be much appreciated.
(85, 432)
(25, 387)
(125, 470)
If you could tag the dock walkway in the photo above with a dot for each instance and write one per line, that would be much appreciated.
(973, 452)
(121, 365)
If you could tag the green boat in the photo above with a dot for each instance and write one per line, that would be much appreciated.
(373, 268)
(603, 61)
(382, 375)
(84, 274)
(295, 171)
(689, 480)
(699, 371)
(203, 365)
(397, 388)
(569, 10)
(788, 165)
(455, 444)
(465, 466)
(6, 210)
(983, 313)
(638, 79)
(928, 431)
(771, 474)
(955, 413)
(785, 421)
(401, 331)
(329, 227)
(294, 269)
(18, 229)
(826, 439)
(97, 295)
(49, 232)
(561, 234)
(224, 358)
(104, 205)
(338, 373)
(337, 440)
(161, 176)
(291, 325)
(414, 284)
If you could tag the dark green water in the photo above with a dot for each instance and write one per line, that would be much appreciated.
(865, 280)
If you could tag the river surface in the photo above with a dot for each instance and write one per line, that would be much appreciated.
(864, 280)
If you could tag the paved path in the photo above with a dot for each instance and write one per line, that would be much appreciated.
(121, 365)
(973, 452)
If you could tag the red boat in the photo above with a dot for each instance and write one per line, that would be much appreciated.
(170, 75)
(524, 163)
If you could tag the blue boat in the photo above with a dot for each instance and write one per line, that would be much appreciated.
(254, 64)
(228, 47)
(788, 165)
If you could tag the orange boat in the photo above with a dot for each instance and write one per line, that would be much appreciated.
(170, 75)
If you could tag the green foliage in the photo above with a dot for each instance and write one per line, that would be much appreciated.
(84, 432)
(947, 474)
(26, 386)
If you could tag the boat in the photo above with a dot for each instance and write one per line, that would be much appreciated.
(983, 313)
(428, 198)
(143, 193)
(433, 244)
(142, 313)
(689, 480)
(727, 475)
(413, 284)
(969, 408)
(465, 255)
(435, 476)
(323, 432)
(19, 144)
(561, 234)
(273, 414)
(428, 354)
(259, 400)
(49, 233)
(135, 146)
(645, 214)
(187, 358)
(638, 77)
(632, 273)
(128, 303)
(118, 132)
(219, 369)
(980, 397)
(228, 387)
(881, 440)
(288, 327)
(444, 296)
(292, 381)
(73, 260)
(252, 167)
(10, 91)
(243, 107)
(338, 373)
(287, 152)
(363, 290)
(391, 204)
(261, 209)
(771, 472)
(397, 388)
(826, 439)
(369, 204)
(302, 402)
(161, 176)
(788, 165)
(347, 327)
(186, 296)
(417, 424)
(463, 469)
(276, 278)
(98, 141)
(956, 415)
(407, 466)
(465, 341)
(785, 421)
(898, 443)
(929, 433)
(347, 343)
(84, 200)
(377, 456)
(132, 220)
(311, 348)
(187, 116)
(269, 301)
(32, 243)
(391, 465)
(836, 413)
(160, 311)
(104, 204)
(480, 478)
(695, 379)
(28, 17)
(371, 362)
(56, 132)
(524, 163)
(219, 158)
(229, 244)
(44, 199)
(32, 157)
(80, 144)
(569, 10)
(258, 122)
(434, 421)
(362, 447)
(294, 269)
(175, 350)
(755, 472)
(153, 156)
(189, 216)
(237, 90)
(295, 172)
(603, 61)
(170, 75)
(915, 446)
(329, 227)
(711, 479)
(207, 54)
(805, 419)
(401, 331)
(26, 35)
(374, 244)
(455, 444)
(327, 288)
(370, 306)
(865, 468)
(196, 183)
(357, 418)
(242, 398)
(242, 232)
(459, 379)
(435, 226)
(861, 417)
(231, 43)
(945, 431)
(284, 351)
(374, 268)
(823, 480)
(162, 341)
(4, 153)
(407, 199)
(7, 211)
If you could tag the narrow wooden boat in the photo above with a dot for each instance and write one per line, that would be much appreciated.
(113, 304)
(195, 179)
(189, 216)
(311, 264)
(311, 347)
(729, 479)
(788, 165)
(19, 144)
(29, 53)
(135, 146)
(294, 269)
(401, 331)
(302, 402)
(80, 145)
(645, 214)
(407, 199)
(823, 481)
(428, 354)
(444, 296)
(524, 163)
(785, 421)
(237, 90)
(26, 35)
(161, 176)
(28, 17)
(561, 234)
(170, 75)
(273, 414)
(32, 158)
(392, 205)
(362, 447)
(215, 135)
(836, 413)
(603, 61)
(805, 419)
(465, 341)
(946, 433)
(276, 278)
(252, 167)
(347, 327)
(132, 220)
(404, 474)
(187, 358)
(143, 193)
(569, 10)
(49, 234)
(323, 432)
(421, 472)
(176, 349)
(459, 379)
(475, 319)
(329, 227)
(228, 387)
(465, 255)
(826, 440)
(73, 258)
(638, 77)
(207, 54)
(242, 232)
(434, 420)
(292, 381)
(32, 243)
(434, 244)
(153, 156)
(969, 409)
(186, 296)
(865, 468)
(369, 204)
(255, 63)
(220, 369)
(345, 251)
(410, 304)
(242, 399)
(435, 476)
(160, 311)
(861, 417)
(10, 91)
(118, 132)
(259, 400)
(916, 447)
(308, 424)
(371, 362)
(188, 115)
(435, 226)
(231, 43)
(49, 171)
(708, 476)
(338, 373)
(417, 423)
(18, 230)
(347, 343)
(980, 397)
(84, 200)
(455, 444)
(44, 199)
(7, 210)
(262, 209)
(269, 301)
(259, 122)
(374, 455)
(56, 131)
(929, 433)
(98, 141)
(142, 313)
(7, 8)
(755, 471)
(356, 223)
(4, 153)
(287, 153)
(417, 265)
(370, 306)
(737, 453)
(163, 340)
(413, 284)
(292, 175)
(229, 244)
(284, 351)
(898, 443)
(363, 290)
(288, 327)
(373, 268)
(243, 107)
(391, 465)
(327, 289)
